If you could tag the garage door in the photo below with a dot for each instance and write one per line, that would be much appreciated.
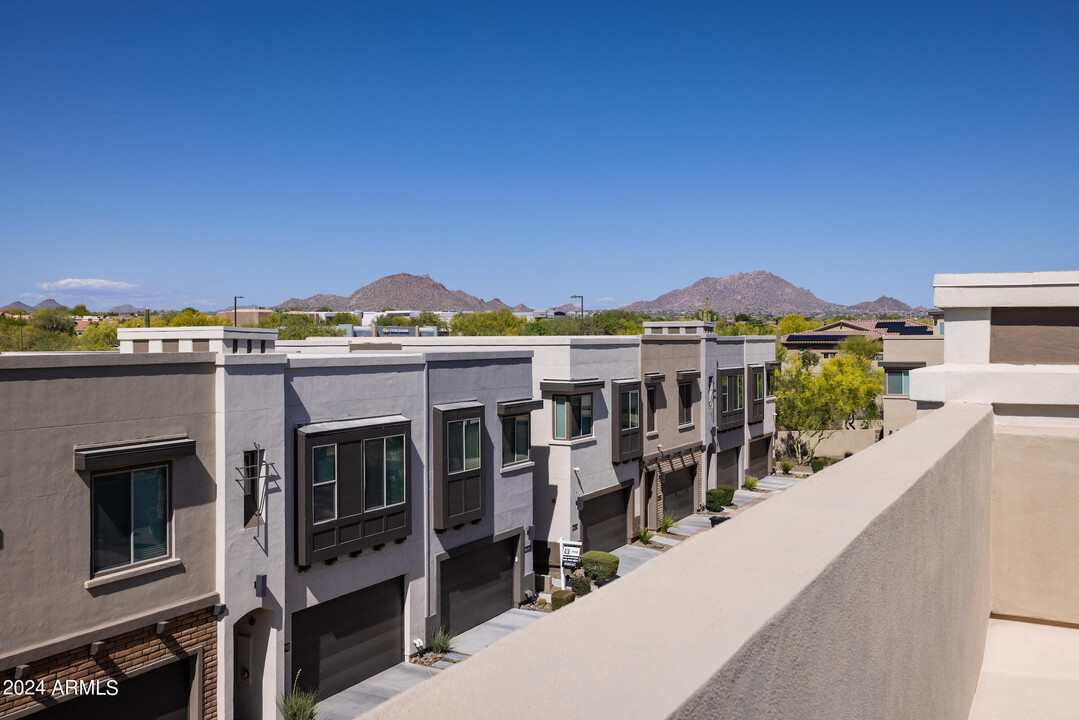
(343, 641)
(160, 694)
(603, 521)
(759, 452)
(727, 468)
(678, 497)
(477, 585)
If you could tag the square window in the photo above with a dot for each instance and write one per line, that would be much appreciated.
(516, 440)
(572, 416)
(130, 517)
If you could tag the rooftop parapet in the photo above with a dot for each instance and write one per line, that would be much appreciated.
(208, 338)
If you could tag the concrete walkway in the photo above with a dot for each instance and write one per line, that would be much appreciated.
(355, 701)
(472, 641)
(691, 525)
(631, 557)
(1028, 671)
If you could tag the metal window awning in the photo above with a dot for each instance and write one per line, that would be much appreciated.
(653, 378)
(571, 386)
(688, 374)
(336, 425)
(519, 407)
(134, 452)
(901, 365)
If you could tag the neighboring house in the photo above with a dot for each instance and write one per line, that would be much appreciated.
(824, 341)
(901, 355)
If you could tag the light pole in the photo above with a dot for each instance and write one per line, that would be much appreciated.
(581, 298)
(235, 309)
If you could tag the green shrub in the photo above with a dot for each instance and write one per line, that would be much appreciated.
(580, 585)
(750, 482)
(667, 522)
(847, 454)
(441, 642)
(787, 466)
(599, 565)
(817, 464)
(561, 598)
(643, 534)
(716, 498)
(298, 704)
(542, 601)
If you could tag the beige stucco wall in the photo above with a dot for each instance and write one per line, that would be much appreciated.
(838, 443)
(866, 596)
(900, 410)
(667, 355)
(1035, 524)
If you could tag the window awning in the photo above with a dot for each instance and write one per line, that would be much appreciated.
(653, 378)
(901, 365)
(688, 374)
(571, 386)
(134, 452)
(335, 425)
(519, 407)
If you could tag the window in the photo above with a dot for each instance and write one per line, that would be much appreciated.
(725, 393)
(739, 395)
(898, 382)
(631, 409)
(252, 469)
(516, 439)
(463, 443)
(651, 396)
(572, 416)
(758, 386)
(685, 403)
(730, 413)
(383, 472)
(131, 517)
(324, 482)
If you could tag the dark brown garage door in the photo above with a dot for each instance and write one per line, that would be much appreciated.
(603, 521)
(477, 585)
(759, 452)
(678, 497)
(727, 468)
(343, 641)
(160, 694)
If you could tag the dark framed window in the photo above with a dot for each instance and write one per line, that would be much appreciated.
(630, 415)
(740, 393)
(725, 393)
(771, 371)
(730, 413)
(756, 408)
(516, 439)
(459, 476)
(131, 517)
(685, 403)
(572, 416)
(352, 487)
(626, 441)
(758, 385)
(252, 472)
(651, 399)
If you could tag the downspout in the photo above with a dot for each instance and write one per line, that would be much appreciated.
(426, 492)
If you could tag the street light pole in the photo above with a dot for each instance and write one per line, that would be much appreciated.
(235, 309)
(581, 297)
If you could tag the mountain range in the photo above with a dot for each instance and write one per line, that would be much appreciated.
(43, 305)
(402, 291)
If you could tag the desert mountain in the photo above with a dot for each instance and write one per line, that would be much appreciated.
(880, 306)
(401, 292)
(43, 305)
(17, 306)
(125, 309)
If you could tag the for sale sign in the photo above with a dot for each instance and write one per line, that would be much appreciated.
(571, 554)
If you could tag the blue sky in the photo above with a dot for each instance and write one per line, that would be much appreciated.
(179, 153)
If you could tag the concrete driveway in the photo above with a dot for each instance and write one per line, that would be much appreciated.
(355, 701)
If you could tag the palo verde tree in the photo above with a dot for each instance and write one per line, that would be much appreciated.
(814, 404)
(495, 322)
(860, 346)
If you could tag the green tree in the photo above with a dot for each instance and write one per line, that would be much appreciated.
(618, 322)
(424, 319)
(813, 405)
(99, 336)
(861, 346)
(794, 324)
(345, 318)
(742, 318)
(809, 358)
(53, 320)
(79, 309)
(495, 322)
(190, 317)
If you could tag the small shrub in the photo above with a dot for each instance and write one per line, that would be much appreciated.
(643, 534)
(599, 565)
(787, 466)
(667, 522)
(847, 454)
(298, 704)
(542, 601)
(817, 464)
(580, 585)
(441, 642)
(561, 598)
(716, 498)
(750, 482)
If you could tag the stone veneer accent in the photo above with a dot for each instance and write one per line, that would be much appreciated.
(122, 654)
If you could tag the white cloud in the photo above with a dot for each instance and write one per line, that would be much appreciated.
(604, 299)
(85, 284)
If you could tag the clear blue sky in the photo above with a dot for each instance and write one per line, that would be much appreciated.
(530, 151)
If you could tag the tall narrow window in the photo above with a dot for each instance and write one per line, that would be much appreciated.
(324, 483)
(252, 489)
(130, 517)
(631, 411)
(685, 403)
(516, 439)
(651, 397)
(572, 416)
(383, 472)
(725, 393)
(463, 442)
(739, 396)
(758, 386)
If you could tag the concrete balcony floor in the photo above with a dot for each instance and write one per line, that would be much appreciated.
(1029, 671)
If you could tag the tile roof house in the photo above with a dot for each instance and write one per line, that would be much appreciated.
(826, 338)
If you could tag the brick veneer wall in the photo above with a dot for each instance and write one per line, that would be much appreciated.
(123, 654)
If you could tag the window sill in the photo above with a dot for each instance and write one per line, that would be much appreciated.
(687, 426)
(139, 571)
(517, 467)
(904, 396)
(575, 442)
(652, 434)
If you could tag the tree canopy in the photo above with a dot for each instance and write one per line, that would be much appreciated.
(795, 323)
(861, 346)
(494, 322)
(424, 319)
(54, 320)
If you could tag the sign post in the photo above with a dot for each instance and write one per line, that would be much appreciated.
(569, 553)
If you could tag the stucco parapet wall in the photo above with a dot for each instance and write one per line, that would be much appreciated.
(1003, 384)
(866, 595)
(520, 340)
(35, 361)
(479, 355)
(355, 360)
(254, 359)
(201, 332)
(987, 290)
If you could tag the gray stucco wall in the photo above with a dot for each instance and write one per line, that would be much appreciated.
(52, 403)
